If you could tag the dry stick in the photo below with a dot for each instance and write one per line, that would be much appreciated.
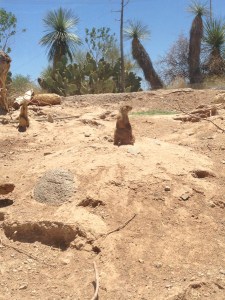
(25, 253)
(96, 282)
(121, 226)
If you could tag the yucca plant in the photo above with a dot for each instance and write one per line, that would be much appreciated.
(214, 41)
(59, 39)
(199, 9)
(136, 31)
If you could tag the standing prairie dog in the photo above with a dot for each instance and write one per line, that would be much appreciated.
(23, 117)
(123, 132)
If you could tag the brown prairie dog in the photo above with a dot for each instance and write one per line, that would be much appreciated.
(23, 117)
(123, 132)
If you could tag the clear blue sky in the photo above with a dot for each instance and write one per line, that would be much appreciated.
(165, 18)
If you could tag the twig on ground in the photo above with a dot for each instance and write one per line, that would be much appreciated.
(96, 282)
(121, 226)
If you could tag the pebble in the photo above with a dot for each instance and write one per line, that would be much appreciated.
(222, 271)
(141, 261)
(167, 188)
(212, 204)
(158, 265)
(185, 197)
(65, 261)
(133, 150)
(193, 279)
(23, 286)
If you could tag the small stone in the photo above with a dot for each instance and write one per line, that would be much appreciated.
(167, 188)
(223, 161)
(169, 286)
(23, 286)
(87, 134)
(141, 261)
(185, 197)
(65, 261)
(133, 150)
(47, 153)
(34, 292)
(222, 271)
(158, 265)
(212, 204)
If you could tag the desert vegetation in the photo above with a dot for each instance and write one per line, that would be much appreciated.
(97, 64)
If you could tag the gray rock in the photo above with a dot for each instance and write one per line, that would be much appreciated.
(54, 187)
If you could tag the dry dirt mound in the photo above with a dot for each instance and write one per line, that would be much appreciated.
(150, 215)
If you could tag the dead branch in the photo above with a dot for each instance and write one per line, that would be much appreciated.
(25, 253)
(96, 282)
(121, 226)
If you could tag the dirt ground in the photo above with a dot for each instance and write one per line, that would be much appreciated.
(151, 216)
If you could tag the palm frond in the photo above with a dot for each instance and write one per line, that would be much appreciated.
(198, 8)
(214, 33)
(136, 29)
(59, 39)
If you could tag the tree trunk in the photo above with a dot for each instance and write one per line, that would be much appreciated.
(121, 49)
(144, 61)
(195, 50)
(4, 68)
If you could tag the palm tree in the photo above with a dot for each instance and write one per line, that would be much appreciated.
(59, 39)
(137, 31)
(214, 40)
(196, 34)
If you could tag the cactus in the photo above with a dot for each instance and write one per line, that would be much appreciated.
(91, 77)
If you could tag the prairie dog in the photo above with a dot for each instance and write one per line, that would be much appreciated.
(23, 117)
(123, 132)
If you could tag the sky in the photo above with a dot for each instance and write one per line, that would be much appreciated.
(166, 19)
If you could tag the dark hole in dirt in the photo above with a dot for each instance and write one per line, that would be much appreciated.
(96, 249)
(202, 174)
(5, 202)
(90, 202)
(54, 234)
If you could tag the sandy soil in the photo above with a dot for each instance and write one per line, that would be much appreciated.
(151, 216)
